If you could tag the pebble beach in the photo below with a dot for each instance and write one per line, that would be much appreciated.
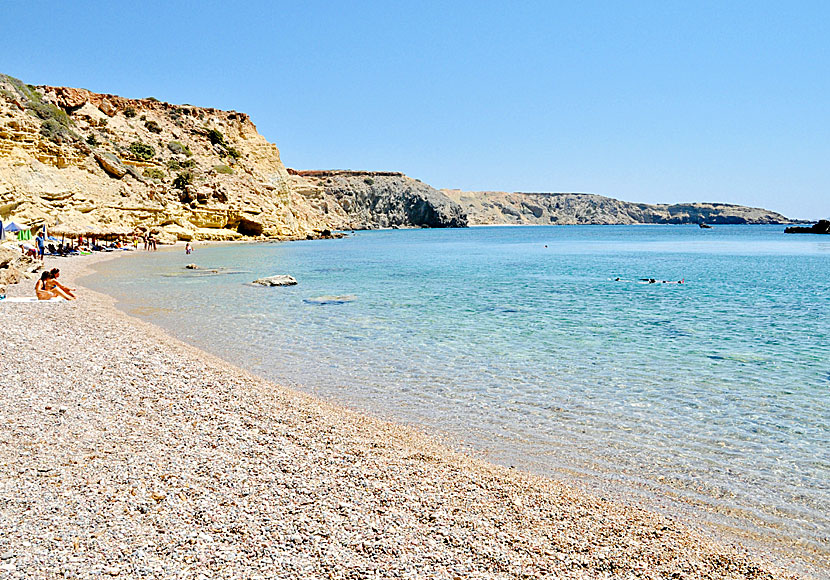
(127, 453)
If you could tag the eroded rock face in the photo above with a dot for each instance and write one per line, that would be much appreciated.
(498, 207)
(72, 156)
(373, 199)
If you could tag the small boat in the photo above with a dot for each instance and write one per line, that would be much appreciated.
(704, 226)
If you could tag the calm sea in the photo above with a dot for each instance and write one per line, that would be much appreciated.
(709, 396)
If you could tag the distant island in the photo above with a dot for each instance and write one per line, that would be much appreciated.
(97, 163)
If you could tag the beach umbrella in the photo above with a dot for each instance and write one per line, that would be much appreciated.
(2, 231)
(13, 227)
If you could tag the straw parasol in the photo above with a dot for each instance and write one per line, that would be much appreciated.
(69, 230)
(115, 231)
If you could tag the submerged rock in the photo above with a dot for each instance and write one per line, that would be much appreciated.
(320, 300)
(278, 280)
(192, 267)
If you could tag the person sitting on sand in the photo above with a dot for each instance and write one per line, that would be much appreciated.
(41, 290)
(55, 272)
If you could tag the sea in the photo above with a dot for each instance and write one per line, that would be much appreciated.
(549, 349)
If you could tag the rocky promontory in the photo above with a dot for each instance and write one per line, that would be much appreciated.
(358, 200)
(499, 207)
(822, 227)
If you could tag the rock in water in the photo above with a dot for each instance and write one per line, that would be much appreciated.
(321, 300)
(278, 280)
(192, 267)
(822, 227)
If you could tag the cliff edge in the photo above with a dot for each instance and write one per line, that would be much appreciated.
(96, 162)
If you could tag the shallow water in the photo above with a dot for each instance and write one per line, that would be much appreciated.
(520, 343)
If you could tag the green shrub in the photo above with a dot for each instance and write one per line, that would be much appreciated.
(178, 148)
(232, 152)
(216, 137)
(53, 130)
(142, 118)
(183, 179)
(152, 126)
(223, 169)
(368, 181)
(129, 112)
(155, 100)
(154, 173)
(142, 150)
(103, 122)
(47, 111)
(92, 140)
(175, 164)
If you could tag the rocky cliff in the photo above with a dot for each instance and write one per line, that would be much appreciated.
(498, 207)
(353, 200)
(76, 159)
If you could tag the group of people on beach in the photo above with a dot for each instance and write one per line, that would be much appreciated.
(48, 287)
(150, 242)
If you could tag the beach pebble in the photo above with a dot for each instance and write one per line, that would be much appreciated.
(176, 464)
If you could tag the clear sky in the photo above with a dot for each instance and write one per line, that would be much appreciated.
(644, 101)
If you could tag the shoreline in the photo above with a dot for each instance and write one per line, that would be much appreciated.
(303, 488)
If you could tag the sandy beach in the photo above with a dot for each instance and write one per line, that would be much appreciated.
(126, 453)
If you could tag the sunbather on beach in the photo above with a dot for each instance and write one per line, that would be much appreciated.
(55, 272)
(41, 290)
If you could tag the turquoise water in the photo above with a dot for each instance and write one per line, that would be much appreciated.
(519, 343)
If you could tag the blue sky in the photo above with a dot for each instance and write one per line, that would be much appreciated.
(643, 101)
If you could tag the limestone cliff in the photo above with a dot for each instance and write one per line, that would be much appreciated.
(498, 207)
(73, 158)
(352, 200)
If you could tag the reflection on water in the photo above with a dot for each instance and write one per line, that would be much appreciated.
(519, 342)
